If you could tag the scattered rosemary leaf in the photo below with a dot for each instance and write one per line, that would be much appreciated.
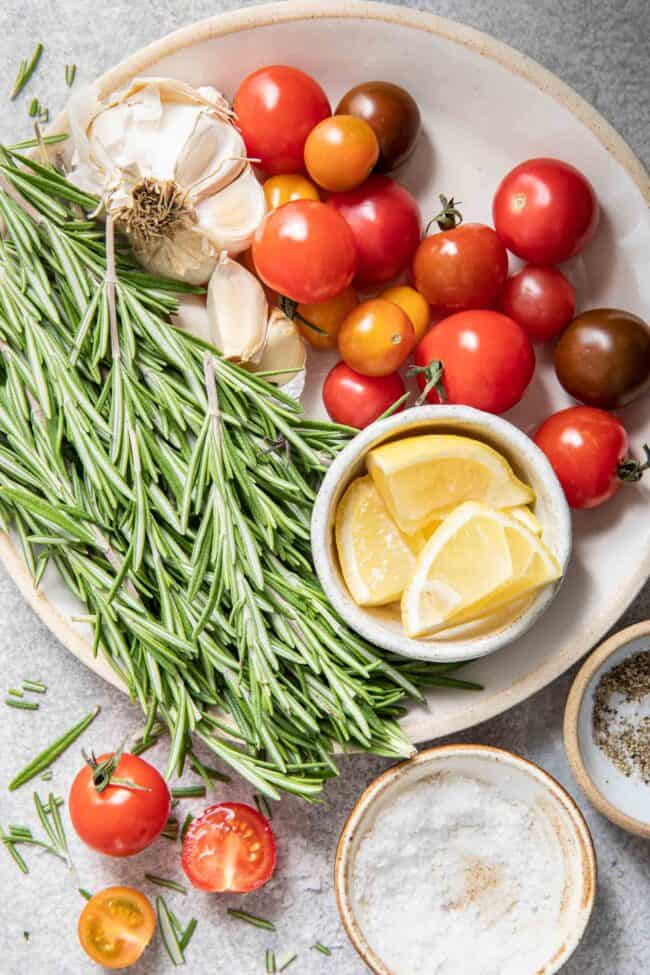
(186, 825)
(36, 686)
(48, 140)
(20, 831)
(47, 775)
(85, 893)
(34, 108)
(263, 806)
(26, 70)
(50, 754)
(324, 950)
(26, 935)
(188, 792)
(188, 934)
(163, 882)
(15, 702)
(257, 922)
(167, 932)
(170, 830)
(70, 72)
(271, 967)
(13, 852)
(15, 692)
(289, 961)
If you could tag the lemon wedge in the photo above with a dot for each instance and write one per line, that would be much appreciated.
(376, 559)
(478, 560)
(527, 518)
(422, 479)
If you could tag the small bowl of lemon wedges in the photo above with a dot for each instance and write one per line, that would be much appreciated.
(441, 533)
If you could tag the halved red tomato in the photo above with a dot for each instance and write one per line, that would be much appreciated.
(230, 847)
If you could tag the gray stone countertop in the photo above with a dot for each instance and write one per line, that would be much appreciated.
(602, 49)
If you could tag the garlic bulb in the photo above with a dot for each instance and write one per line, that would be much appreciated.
(237, 311)
(161, 154)
(284, 349)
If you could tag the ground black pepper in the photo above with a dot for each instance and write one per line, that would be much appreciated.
(624, 737)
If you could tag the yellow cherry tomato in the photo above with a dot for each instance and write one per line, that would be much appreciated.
(279, 190)
(376, 338)
(340, 152)
(328, 316)
(115, 926)
(414, 304)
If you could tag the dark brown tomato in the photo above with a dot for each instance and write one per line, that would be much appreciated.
(392, 113)
(603, 358)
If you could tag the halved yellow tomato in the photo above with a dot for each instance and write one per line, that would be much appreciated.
(115, 926)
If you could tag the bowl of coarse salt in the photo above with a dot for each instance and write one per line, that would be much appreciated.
(465, 859)
(607, 728)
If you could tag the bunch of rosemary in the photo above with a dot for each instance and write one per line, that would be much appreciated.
(173, 492)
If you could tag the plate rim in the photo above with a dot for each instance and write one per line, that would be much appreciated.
(423, 727)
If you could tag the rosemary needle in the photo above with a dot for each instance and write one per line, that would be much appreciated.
(163, 882)
(168, 933)
(50, 754)
(323, 949)
(288, 961)
(186, 825)
(263, 806)
(170, 829)
(25, 71)
(269, 958)
(13, 852)
(186, 937)
(70, 72)
(37, 686)
(15, 692)
(85, 893)
(188, 792)
(15, 702)
(257, 922)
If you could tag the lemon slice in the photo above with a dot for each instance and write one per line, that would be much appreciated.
(424, 478)
(463, 573)
(465, 560)
(527, 518)
(377, 561)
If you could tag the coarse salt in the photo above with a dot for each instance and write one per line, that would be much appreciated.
(454, 877)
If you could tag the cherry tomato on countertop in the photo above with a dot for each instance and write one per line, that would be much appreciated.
(541, 300)
(545, 211)
(376, 338)
(393, 114)
(328, 316)
(276, 108)
(306, 251)
(414, 304)
(115, 926)
(385, 222)
(341, 152)
(603, 358)
(460, 268)
(230, 847)
(279, 190)
(119, 820)
(487, 360)
(588, 450)
(356, 400)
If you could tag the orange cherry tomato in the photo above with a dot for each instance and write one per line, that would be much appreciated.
(376, 338)
(279, 190)
(341, 152)
(115, 926)
(414, 304)
(326, 315)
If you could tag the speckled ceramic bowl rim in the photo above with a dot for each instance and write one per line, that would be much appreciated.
(403, 770)
(592, 664)
(498, 431)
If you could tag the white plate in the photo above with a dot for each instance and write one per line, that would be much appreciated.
(485, 108)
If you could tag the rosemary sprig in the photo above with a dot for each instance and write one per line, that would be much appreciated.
(26, 70)
(50, 754)
(256, 922)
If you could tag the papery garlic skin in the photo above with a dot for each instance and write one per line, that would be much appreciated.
(237, 311)
(160, 153)
(283, 349)
(192, 316)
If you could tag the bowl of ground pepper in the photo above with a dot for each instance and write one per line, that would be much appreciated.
(607, 728)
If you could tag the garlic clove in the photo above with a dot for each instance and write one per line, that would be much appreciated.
(212, 157)
(237, 311)
(283, 349)
(192, 316)
(230, 217)
(185, 256)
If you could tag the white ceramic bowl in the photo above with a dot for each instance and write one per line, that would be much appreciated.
(528, 462)
(518, 780)
(625, 800)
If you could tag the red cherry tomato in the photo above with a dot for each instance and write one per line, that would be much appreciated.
(120, 821)
(541, 300)
(276, 108)
(487, 360)
(545, 211)
(357, 400)
(461, 268)
(305, 250)
(230, 847)
(385, 221)
(585, 446)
